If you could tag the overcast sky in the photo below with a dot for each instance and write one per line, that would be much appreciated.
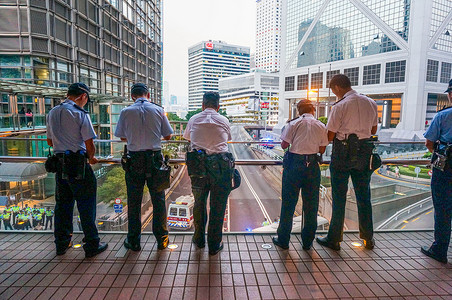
(187, 22)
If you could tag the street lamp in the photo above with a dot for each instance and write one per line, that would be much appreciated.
(316, 95)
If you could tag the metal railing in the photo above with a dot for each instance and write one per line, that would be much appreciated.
(406, 211)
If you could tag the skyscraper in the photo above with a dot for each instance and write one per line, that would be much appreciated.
(210, 60)
(268, 35)
(107, 44)
(398, 52)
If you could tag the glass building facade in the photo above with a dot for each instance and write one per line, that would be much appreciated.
(105, 44)
(374, 42)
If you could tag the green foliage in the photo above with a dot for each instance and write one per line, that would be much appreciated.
(427, 155)
(324, 120)
(194, 112)
(174, 117)
(113, 187)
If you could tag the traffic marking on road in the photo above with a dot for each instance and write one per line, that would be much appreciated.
(256, 196)
(403, 226)
(405, 221)
(415, 219)
(390, 178)
(428, 212)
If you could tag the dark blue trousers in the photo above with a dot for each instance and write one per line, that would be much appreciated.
(339, 186)
(442, 202)
(135, 182)
(83, 192)
(218, 183)
(298, 175)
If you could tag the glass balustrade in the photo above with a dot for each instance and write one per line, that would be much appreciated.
(401, 196)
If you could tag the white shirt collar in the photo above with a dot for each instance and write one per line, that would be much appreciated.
(307, 115)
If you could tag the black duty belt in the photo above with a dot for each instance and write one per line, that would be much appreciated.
(152, 152)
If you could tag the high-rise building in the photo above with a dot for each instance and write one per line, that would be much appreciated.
(107, 44)
(398, 52)
(268, 35)
(165, 94)
(251, 98)
(173, 100)
(209, 61)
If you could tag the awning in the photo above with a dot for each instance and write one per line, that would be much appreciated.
(17, 87)
(10, 172)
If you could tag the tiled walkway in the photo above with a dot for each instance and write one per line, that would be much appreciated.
(29, 269)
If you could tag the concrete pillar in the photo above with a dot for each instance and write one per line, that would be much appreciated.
(414, 102)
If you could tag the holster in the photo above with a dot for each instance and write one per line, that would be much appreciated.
(442, 157)
(52, 163)
(74, 164)
(196, 163)
(152, 165)
(125, 160)
(353, 154)
(162, 172)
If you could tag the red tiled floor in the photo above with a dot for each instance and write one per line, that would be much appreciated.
(243, 270)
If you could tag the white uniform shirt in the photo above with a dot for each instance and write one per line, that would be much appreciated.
(305, 135)
(355, 113)
(208, 130)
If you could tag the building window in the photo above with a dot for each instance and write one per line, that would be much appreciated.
(432, 70)
(353, 74)
(290, 83)
(302, 82)
(446, 72)
(371, 74)
(317, 80)
(329, 75)
(395, 71)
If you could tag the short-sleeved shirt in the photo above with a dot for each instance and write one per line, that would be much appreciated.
(69, 126)
(441, 127)
(143, 124)
(305, 135)
(208, 131)
(355, 113)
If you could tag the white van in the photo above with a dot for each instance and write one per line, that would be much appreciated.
(180, 212)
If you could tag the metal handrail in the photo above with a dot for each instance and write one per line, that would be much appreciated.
(402, 211)
(185, 142)
(244, 162)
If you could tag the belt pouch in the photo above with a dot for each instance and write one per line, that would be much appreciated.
(73, 165)
(161, 171)
(195, 161)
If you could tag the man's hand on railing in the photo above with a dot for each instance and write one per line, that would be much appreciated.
(93, 161)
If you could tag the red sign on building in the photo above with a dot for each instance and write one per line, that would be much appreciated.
(209, 45)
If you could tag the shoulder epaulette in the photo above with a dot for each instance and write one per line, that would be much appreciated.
(79, 108)
(444, 108)
(292, 119)
(157, 104)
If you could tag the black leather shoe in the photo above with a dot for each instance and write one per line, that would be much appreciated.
(199, 245)
(369, 244)
(63, 250)
(163, 243)
(327, 243)
(429, 252)
(215, 251)
(306, 246)
(279, 244)
(132, 246)
(101, 248)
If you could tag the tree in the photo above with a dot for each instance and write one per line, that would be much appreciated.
(113, 187)
(173, 117)
(194, 112)
(324, 120)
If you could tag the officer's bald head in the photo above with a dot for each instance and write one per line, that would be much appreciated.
(305, 107)
(211, 100)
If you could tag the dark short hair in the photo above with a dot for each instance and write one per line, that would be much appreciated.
(211, 99)
(139, 89)
(304, 106)
(77, 89)
(341, 81)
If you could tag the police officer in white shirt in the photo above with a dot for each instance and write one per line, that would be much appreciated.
(353, 120)
(142, 125)
(210, 167)
(305, 137)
